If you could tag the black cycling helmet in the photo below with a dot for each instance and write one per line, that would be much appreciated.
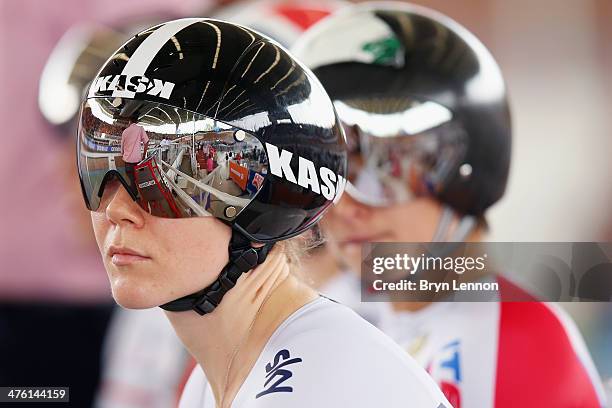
(410, 84)
(232, 127)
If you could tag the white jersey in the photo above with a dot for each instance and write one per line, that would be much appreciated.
(500, 354)
(345, 288)
(325, 355)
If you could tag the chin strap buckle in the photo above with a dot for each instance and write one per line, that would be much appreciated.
(205, 306)
(247, 260)
(244, 261)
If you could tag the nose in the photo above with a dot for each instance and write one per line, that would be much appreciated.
(122, 210)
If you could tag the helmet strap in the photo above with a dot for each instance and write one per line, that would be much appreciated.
(242, 258)
(467, 224)
(446, 240)
(443, 233)
(444, 223)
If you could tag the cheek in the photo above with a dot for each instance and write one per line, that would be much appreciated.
(328, 225)
(409, 222)
(192, 252)
(394, 220)
(333, 225)
(100, 227)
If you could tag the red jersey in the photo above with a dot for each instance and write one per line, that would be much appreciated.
(500, 354)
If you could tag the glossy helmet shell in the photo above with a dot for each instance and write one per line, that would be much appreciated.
(273, 97)
(432, 59)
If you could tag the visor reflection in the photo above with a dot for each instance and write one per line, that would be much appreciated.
(176, 163)
(395, 166)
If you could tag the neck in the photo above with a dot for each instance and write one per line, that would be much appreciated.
(321, 266)
(227, 342)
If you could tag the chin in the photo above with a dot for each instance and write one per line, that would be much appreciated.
(130, 295)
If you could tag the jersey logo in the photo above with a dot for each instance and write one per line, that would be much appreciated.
(446, 370)
(277, 370)
(329, 184)
(128, 85)
(451, 362)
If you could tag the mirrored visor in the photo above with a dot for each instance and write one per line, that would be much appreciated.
(399, 149)
(174, 163)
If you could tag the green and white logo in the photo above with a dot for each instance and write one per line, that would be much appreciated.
(386, 51)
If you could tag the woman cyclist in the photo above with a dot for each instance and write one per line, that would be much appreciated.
(429, 137)
(212, 251)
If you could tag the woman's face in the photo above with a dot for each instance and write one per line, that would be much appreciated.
(349, 224)
(150, 260)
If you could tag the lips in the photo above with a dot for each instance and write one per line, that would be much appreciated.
(122, 256)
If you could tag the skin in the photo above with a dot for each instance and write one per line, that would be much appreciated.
(319, 266)
(177, 257)
(350, 223)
